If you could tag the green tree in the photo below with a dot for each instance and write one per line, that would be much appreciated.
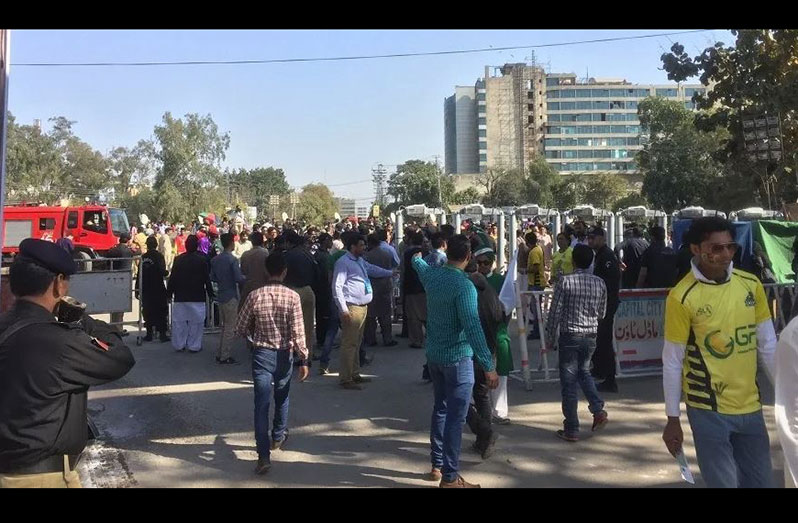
(466, 196)
(678, 163)
(630, 200)
(189, 152)
(255, 186)
(604, 189)
(316, 204)
(33, 164)
(131, 167)
(540, 183)
(417, 181)
(503, 188)
(567, 192)
(755, 76)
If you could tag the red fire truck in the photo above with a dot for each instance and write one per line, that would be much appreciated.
(94, 229)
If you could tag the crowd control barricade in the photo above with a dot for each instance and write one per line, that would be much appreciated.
(106, 288)
(638, 330)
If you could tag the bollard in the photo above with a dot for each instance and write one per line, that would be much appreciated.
(458, 222)
(611, 230)
(400, 228)
(513, 229)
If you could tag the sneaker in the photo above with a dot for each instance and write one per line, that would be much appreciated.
(351, 385)
(458, 483)
(567, 437)
(392, 343)
(264, 464)
(608, 385)
(164, 338)
(600, 420)
(278, 444)
(181, 350)
(324, 370)
(498, 420)
(357, 378)
(434, 474)
(365, 362)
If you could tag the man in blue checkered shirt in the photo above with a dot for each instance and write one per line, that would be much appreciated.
(454, 337)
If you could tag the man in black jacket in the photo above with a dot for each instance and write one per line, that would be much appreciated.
(608, 269)
(189, 283)
(46, 368)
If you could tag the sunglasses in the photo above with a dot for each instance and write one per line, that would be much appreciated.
(719, 248)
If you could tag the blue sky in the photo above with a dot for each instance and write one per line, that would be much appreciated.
(324, 121)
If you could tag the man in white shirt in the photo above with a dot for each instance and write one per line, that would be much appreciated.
(786, 409)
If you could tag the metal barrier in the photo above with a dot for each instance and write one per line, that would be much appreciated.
(105, 289)
(781, 297)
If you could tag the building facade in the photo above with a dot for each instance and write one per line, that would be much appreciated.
(578, 126)
(460, 137)
(350, 207)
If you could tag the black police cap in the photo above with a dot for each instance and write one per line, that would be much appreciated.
(48, 255)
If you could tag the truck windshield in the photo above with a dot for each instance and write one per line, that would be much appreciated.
(119, 223)
(95, 221)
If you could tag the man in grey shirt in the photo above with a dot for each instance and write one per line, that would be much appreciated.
(227, 275)
(253, 265)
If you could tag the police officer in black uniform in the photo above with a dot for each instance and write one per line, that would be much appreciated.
(51, 352)
(608, 269)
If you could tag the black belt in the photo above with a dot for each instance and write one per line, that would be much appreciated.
(47, 465)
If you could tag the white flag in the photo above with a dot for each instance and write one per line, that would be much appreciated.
(507, 293)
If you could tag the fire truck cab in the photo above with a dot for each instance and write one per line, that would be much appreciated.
(93, 229)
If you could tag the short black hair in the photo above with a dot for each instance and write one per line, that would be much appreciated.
(227, 239)
(416, 238)
(151, 242)
(582, 256)
(701, 228)
(323, 237)
(256, 238)
(353, 240)
(437, 240)
(192, 243)
(657, 233)
(373, 240)
(28, 278)
(382, 234)
(531, 238)
(275, 263)
(447, 230)
(458, 248)
(636, 232)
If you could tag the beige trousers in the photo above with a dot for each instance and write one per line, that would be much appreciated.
(351, 338)
(66, 479)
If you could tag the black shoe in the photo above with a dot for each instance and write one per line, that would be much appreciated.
(608, 385)
(488, 450)
(425, 374)
(148, 337)
(264, 464)
(164, 338)
(392, 343)
(365, 362)
(371, 344)
(277, 445)
(227, 361)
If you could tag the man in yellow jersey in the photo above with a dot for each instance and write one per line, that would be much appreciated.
(717, 322)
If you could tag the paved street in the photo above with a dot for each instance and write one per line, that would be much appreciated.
(181, 420)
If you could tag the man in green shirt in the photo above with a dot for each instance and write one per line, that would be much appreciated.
(454, 337)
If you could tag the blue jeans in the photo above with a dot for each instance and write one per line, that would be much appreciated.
(575, 354)
(267, 366)
(733, 450)
(452, 385)
(332, 329)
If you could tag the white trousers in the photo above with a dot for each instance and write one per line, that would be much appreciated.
(498, 398)
(188, 322)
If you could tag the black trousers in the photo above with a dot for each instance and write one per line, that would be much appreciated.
(480, 410)
(323, 305)
(604, 357)
(370, 329)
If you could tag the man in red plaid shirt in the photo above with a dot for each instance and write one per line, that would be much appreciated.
(271, 319)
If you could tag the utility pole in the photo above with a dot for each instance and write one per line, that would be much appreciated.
(274, 201)
(5, 57)
(294, 201)
(379, 175)
(438, 175)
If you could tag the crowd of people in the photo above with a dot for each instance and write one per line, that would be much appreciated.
(289, 290)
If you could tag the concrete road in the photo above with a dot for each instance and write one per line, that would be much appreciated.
(181, 420)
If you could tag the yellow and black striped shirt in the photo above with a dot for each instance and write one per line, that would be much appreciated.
(717, 322)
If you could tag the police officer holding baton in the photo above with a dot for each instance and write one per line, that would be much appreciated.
(51, 352)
